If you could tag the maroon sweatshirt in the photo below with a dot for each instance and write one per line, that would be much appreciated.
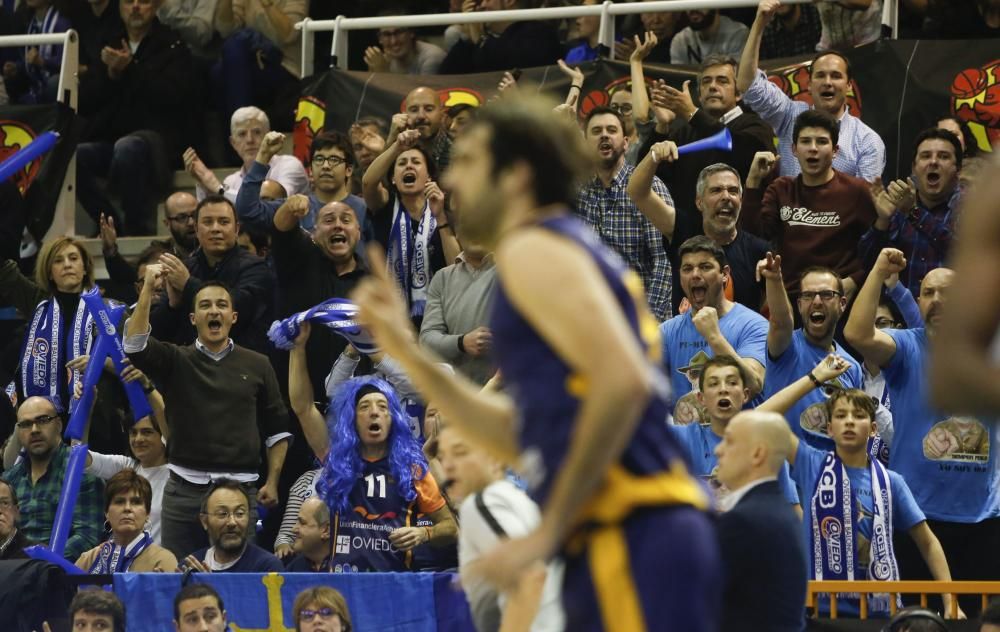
(812, 226)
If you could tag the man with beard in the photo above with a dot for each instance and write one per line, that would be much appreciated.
(958, 492)
(423, 111)
(331, 163)
(791, 353)
(818, 217)
(225, 516)
(37, 480)
(222, 402)
(713, 326)
(862, 152)
(796, 31)
(707, 33)
(218, 258)
(577, 348)
(920, 225)
(604, 204)
(718, 196)
(178, 217)
(717, 108)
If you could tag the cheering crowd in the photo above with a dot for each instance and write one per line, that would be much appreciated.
(790, 297)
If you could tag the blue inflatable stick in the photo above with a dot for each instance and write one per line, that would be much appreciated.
(42, 144)
(40, 552)
(67, 498)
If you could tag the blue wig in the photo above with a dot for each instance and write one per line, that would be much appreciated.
(343, 465)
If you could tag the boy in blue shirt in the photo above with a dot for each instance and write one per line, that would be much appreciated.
(853, 504)
(722, 392)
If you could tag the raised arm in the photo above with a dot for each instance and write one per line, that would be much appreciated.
(138, 323)
(827, 369)
(706, 321)
(371, 189)
(877, 347)
(750, 59)
(782, 323)
(640, 188)
(300, 396)
(640, 98)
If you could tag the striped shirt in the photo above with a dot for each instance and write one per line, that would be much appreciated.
(861, 152)
(616, 219)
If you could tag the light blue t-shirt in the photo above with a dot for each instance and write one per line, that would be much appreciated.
(699, 442)
(906, 514)
(808, 416)
(684, 351)
(948, 460)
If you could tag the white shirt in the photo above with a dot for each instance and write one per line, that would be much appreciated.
(729, 501)
(518, 516)
(283, 169)
(104, 466)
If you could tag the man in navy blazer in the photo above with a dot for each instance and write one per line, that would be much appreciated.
(763, 552)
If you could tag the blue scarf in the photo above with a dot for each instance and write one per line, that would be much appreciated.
(49, 345)
(114, 558)
(409, 255)
(338, 314)
(834, 521)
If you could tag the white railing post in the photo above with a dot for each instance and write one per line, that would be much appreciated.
(308, 39)
(606, 33)
(338, 47)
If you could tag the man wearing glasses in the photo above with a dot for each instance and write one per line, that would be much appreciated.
(791, 353)
(225, 515)
(37, 481)
(331, 163)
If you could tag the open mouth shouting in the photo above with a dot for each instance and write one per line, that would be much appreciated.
(828, 95)
(724, 404)
(697, 294)
(605, 149)
(933, 179)
(214, 326)
(409, 178)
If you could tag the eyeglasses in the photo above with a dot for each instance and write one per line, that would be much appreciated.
(333, 161)
(6, 503)
(182, 218)
(223, 516)
(885, 323)
(322, 613)
(824, 295)
(41, 421)
(622, 108)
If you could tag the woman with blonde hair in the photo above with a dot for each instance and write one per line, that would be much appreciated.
(59, 326)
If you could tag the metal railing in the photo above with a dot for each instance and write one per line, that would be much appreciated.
(64, 219)
(607, 11)
(923, 588)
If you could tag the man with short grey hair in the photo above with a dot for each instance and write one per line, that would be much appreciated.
(247, 129)
(718, 198)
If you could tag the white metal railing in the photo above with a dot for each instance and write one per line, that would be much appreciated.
(341, 26)
(64, 218)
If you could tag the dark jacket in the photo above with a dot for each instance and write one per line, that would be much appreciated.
(153, 92)
(522, 45)
(750, 135)
(764, 563)
(15, 550)
(249, 280)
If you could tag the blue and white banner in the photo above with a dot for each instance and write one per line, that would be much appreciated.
(378, 602)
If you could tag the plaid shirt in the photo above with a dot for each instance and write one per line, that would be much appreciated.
(860, 152)
(38, 503)
(779, 41)
(614, 216)
(924, 235)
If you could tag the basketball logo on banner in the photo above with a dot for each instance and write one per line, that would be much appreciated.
(310, 116)
(975, 98)
(15, 136)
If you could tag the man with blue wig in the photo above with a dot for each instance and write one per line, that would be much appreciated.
(375, 477)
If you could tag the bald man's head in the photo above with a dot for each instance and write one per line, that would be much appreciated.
(933, 292)
(424, 109)
(178, 215)
(755, 446)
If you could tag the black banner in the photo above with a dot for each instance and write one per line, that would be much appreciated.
(898, 87)
(40, 180)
